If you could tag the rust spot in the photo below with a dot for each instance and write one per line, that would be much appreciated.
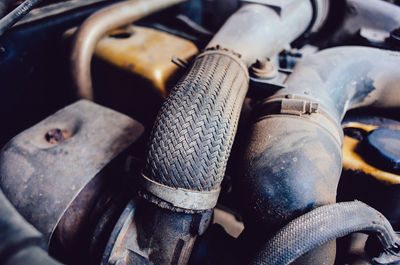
(56, 136)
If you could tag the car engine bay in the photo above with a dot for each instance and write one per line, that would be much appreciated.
(200, 132)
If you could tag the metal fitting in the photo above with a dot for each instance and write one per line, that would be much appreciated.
(263, 69)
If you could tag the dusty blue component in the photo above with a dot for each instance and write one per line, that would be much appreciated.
(385, 143)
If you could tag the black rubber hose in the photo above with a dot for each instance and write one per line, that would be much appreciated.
(192, 137)
(325, 224)
(20, 242)
(18, 13)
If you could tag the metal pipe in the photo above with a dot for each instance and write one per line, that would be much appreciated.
(15, 15)
(96, 26)
(256, 31)
(293, 157)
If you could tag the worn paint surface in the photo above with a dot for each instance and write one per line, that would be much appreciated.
(145, 52)
(42, 175)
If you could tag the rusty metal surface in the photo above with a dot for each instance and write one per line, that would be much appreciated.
(144, 234)
(96, 26)
(42, 175)
(145, 52)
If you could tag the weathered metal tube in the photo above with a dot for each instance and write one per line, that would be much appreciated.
(96, 26)
(293, 157)
(256, 30)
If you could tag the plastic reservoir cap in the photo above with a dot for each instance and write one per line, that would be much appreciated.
(385, 143)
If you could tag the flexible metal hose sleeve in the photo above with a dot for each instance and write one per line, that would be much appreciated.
(321, 226)
(194, 131)
(96, 26)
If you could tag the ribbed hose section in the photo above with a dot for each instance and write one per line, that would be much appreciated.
(323, 225)
(194, 131)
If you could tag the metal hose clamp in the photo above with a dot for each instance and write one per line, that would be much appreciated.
(182, 198)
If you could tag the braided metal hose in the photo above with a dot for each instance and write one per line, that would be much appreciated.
(194, 131)
(193, 134)
(325, 224)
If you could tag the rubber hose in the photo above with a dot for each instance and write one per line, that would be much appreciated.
(192, 137)
(322, 225)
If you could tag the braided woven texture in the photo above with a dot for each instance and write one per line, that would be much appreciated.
(321, 226)
(193, 134)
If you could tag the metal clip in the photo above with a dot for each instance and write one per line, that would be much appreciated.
(298, 107)
(179, 62)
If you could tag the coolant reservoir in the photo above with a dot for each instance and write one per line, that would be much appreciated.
(145, 52)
